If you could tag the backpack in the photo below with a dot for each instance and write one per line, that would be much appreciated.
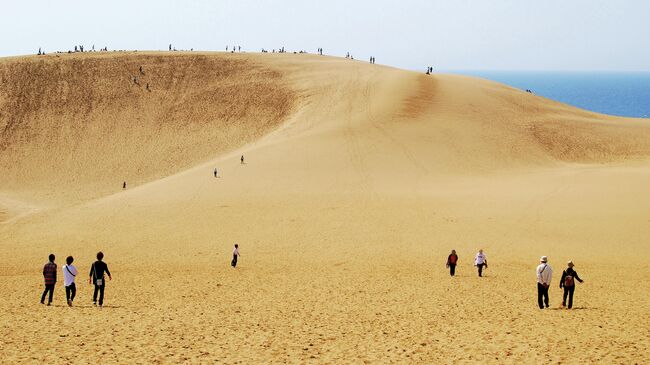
(568, 280)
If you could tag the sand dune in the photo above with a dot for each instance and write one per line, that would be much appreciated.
(358, 181)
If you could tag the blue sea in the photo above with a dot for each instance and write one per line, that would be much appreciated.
(615, 93)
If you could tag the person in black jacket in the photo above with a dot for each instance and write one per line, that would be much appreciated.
(97, 271)
(568, 282)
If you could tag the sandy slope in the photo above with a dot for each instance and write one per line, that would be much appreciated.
(358, 181)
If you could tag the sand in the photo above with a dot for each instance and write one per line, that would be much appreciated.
(359, 179)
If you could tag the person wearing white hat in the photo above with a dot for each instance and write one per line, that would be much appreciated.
(569, 276)
(544, 275)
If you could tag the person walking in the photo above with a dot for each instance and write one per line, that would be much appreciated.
(451, 262)
(49, 276)
(235, 255)
(69, 273)
(568, 283)
(242, 159)
(544, 276)
(480, 261)
(124, 185)
(97, 271)
(216, 173)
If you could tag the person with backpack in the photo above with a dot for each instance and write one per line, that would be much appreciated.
(544, 275)
(569, 276)
(97, 278)
(235, 255)
(49, 276)
(451, 262)
(480, 261)
(69, 273)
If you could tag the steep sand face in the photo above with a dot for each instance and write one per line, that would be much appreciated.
(345, 211)
(74, 127)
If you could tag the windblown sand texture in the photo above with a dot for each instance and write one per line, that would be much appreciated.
(359, 179)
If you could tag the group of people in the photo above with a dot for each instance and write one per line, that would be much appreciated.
(136, 82)
(567, 282)
(98, 271)
(544, 277)
(216, 171)
(429, 70)
(77, 48)
(234, 49)
(97, 277)
(480, 262)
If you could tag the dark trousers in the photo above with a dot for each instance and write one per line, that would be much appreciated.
(452, 269)
(542, 296)
(568, 290)
(49, 288)
(480, 269)
(70, 292)
(234, 261)
(99, 289)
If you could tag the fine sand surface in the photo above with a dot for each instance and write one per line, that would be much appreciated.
(359, 179)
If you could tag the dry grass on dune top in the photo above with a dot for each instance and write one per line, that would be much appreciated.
(76, 126)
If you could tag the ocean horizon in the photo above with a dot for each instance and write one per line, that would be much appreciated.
(624, 94)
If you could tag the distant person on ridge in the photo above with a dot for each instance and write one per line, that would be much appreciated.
(480, 261)
(97, 278)
(124, 185)
(215, 172)
(544, 276)
(69, 273)
(568, 282)
(235, 255)
(242, 159)
(49, 276)
(452, 260)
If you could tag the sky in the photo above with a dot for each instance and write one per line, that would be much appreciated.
(571, 35)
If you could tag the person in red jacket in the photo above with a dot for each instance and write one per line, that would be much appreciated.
(452, 260)
(49, 274)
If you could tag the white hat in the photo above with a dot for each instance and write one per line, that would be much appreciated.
(570, 263)
(543, 259)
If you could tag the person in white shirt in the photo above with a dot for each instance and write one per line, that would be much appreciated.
(69, 274)
(479, 261)
(235, 255)
(544, 275)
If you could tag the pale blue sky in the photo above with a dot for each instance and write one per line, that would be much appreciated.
(452, 34)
